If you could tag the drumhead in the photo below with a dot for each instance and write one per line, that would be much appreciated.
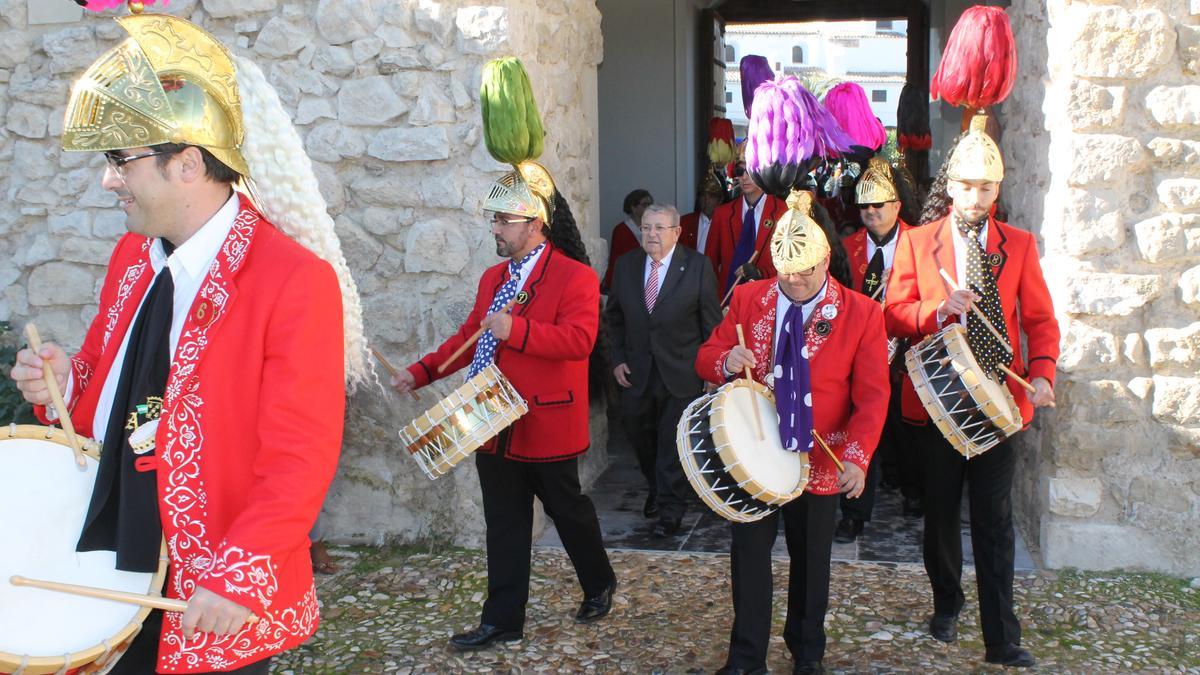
(761, 465)
(43, 500)
(705, 470)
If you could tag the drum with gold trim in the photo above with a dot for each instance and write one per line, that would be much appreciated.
(973, 411)
(44, 498)
(462, 422)
(739, 475)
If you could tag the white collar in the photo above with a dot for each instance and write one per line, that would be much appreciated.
(196, 254)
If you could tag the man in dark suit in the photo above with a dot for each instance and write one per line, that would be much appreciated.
(662, 306)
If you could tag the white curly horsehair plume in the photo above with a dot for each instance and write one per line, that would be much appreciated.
(285, 189)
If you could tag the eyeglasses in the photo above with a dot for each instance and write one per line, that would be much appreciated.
(658, 229)
(738, 172)
(500, 220)
(874, 205)
(118, 162)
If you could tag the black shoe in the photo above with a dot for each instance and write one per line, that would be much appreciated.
(668, 527)
(944, 627)
(483, 636)
(731, 670)
(847, 530)
(596, 607)
(807, 668)
(650, 510)
(1010, 655)
(913, 507)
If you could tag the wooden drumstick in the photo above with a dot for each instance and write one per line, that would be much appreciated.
(470, 341)
(749, 376)
(60, 406)
(737, 279)
(1004, 341)
(821, 442)
(143, 600)
(391, 370)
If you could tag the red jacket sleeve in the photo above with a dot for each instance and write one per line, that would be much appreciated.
(572, 334)
(906, 314)
(1037, 317)
(710, 359)
(868, 398)
(298, 428)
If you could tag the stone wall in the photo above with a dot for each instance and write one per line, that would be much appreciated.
(385, 95)
(1102, 136)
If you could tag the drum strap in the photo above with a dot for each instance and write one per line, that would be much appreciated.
(123, 514)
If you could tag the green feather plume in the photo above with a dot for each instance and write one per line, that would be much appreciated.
(512, 127)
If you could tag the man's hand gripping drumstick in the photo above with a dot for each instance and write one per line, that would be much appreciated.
(41, 375)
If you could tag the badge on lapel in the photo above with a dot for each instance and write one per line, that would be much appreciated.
(823, 327)
(768, 224)
(829, 312)
(203, 313)
(522, 298)
(994, 259)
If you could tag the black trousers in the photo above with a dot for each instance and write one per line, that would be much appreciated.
(989, 484)
(808, 524)
(898, 447)
(508, 489)
(652, 419)
(142, 655)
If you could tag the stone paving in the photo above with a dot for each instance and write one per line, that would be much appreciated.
(390, 610)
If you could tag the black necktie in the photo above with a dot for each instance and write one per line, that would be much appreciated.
(874, 276)
(123, 514)
(987, 349)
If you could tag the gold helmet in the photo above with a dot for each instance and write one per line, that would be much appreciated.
(526, 191)
(169, 82)
(876, 185)
(976, 157)
(798, 242)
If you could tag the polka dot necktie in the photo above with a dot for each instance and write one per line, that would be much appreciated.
(988, 351)
(793, 385)
(485, 349)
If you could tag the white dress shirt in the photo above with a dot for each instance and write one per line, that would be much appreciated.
(889, 254)
(960, 258)
(662, 271)
(527, 268)
(783, 302)
(702, 228)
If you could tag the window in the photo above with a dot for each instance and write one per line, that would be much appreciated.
(878, 96)
(730, 56)
(883, 25)
(797, 54)
(729, 97)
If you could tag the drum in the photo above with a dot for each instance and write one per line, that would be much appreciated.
(737, 474)
(973, 411)
(43, 500)
(462, 422)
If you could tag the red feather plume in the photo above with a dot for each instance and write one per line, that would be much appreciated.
(979, 66)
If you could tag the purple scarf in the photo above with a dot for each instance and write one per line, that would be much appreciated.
(793, 386)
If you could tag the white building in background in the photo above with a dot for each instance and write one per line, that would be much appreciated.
(870, 53)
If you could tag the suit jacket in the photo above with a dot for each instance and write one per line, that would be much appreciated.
(545, 356)
(727, 226)
(856, 251)
(623, 241)
(685, 313)
(915, 290)
(689, 229)
(250, 435)
(848, 368)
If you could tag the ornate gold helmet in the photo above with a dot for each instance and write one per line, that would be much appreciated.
(170, 82)
(526, 191)
(876, 185)
(798, 242)
(710, 184)
(976, 157)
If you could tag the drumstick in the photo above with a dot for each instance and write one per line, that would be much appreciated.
(392, 371)
(470, 341)
(737, 279)
(753, 401)
(143, 600)
(60, 406)
(979, 313)
(821, 442)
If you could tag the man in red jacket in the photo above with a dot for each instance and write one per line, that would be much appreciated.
(997, 268)
(740, 229)
(695, 227)
(542, 347)
(822, 348)
(222, 340)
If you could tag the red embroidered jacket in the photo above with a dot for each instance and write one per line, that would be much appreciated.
(727, 226)
(545, 357)
(916, 288)
(848, 368)
(250, 435)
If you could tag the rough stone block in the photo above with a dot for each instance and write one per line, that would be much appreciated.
(281, 38)
(1189, 47)
(330, 142)
(330, 185)
(481, 30)
(223, 9)
(1174, 106)
(83, 250)
(109, 224)
(1107, 546)
(1106, 294)
(342, 21)
(26, 120)
(74, 223)
(1075, 497)
(432, 106)
(1162, 238)
(337, 61)
(1175, 346)
(1134, 349)
(1179, 157)
(312, 109)
(383, 222)
(433, 19)
(70, 49)
(1105, 159)
(1109, 41)
(1169, 496)
(366, 48)
(1084, 222)
(1091, 106)
(369, 101)
(1189, 285)
(435, 245)
(60, 283)
(410, 145)
(1177, 399)
(14, 48)
(1180, 194)
(39, 89)
(1085, 348)
(1106, 400)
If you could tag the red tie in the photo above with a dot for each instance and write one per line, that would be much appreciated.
(652, 285)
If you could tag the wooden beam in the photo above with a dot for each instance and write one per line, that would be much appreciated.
(776, 11)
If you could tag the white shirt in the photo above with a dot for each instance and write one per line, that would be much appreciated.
(702, 228)
(783, 302)
(889, 254)
(189, 264)
(662, 271)
(960, 258)
(527, 268)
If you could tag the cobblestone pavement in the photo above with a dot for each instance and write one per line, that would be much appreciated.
(391, 610)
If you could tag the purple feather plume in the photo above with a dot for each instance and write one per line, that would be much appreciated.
(755, 70)
(847, 102)
(790, 133)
